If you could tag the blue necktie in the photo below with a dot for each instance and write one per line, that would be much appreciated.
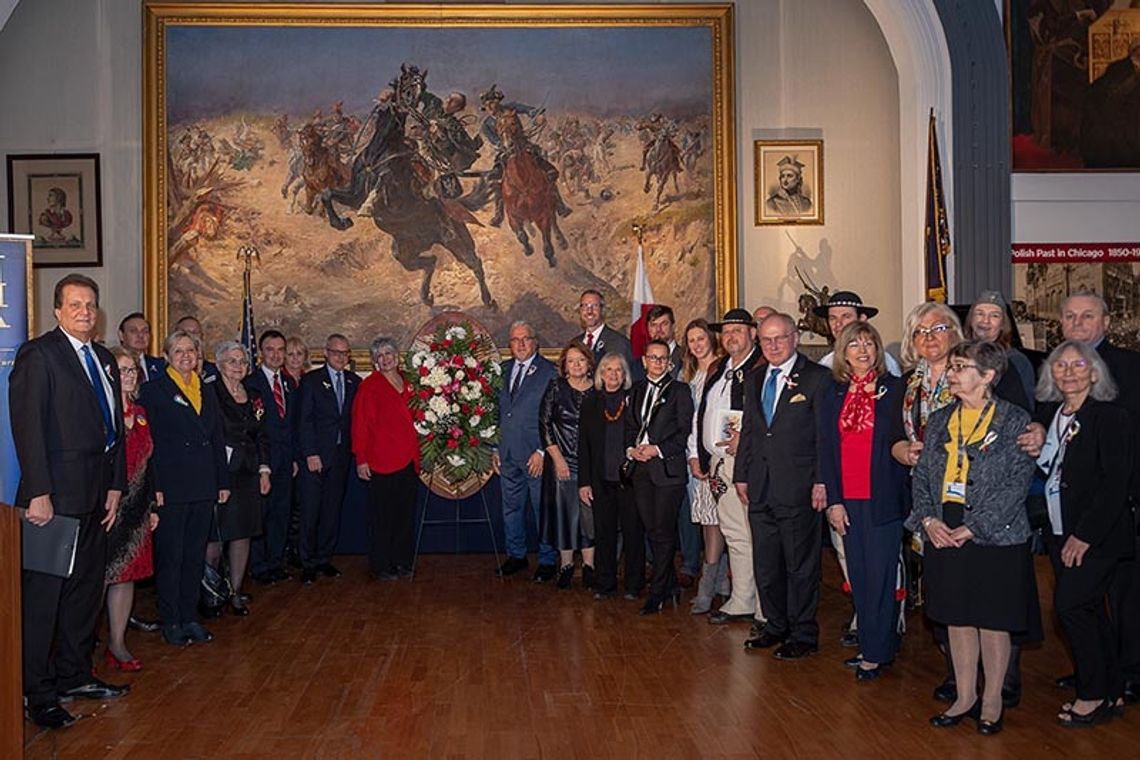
(768, 398)
(100, 395)
(338, 388)
(517, 379)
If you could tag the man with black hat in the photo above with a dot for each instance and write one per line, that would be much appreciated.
(841, 309)
(721, 403)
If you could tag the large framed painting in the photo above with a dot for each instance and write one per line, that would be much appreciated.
(55, 198)
(391, 162)
(1074, 73)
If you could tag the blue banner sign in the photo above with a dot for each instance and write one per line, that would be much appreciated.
(15, 327)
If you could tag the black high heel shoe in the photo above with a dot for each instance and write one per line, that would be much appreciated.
(945, 720)
(653, 605)
(991, 727)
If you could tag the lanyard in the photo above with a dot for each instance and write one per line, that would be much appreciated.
(963, 440)
(1062, 439)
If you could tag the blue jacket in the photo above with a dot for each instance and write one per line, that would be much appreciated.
(518, 416)
(282, 431)
(321, 425)
(189, 449)
(888, 477)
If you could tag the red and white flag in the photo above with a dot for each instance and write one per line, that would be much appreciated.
(643, 301)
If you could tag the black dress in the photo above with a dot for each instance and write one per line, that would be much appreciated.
(565, 523)
(247, 448)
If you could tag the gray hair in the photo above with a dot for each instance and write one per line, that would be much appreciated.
(522, 323)
(176, 336)
(1103, 387)
(1095, 297)
(613, 357)
(226, 346)
(379, 342)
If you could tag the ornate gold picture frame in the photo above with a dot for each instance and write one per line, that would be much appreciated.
(789, 181)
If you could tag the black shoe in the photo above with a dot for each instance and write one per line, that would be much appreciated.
(763, 640)
(947, 691)
(588, 577)
(197, 632)
(50, 716)
(853, 662)
(309, 576)
(945, 720)
(720, 617)
(174, 635)
(869, 674)
(512, 565)
(95, 689)
(139, 624)
(849, 639)
(1010, 697)
(653, 605)
(991, 727)
(238, 606)
(1067, 682)
(1102, 713)
(328, 570)
(544, 573)
(211, 612)
(565, 577)
(795, 650)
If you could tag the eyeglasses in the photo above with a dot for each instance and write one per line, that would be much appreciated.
(1076, 365)
(589, 307)
(656, 358)
(776, 340)
(336, 351)
(128, 370)
(926, 332)
(527, 339)
(957, 367)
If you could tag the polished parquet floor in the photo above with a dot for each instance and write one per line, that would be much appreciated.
(458, 664)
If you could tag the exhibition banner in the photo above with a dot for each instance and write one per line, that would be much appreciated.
(15, 326)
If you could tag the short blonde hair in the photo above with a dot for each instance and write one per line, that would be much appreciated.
(917, 314)
(613, 357)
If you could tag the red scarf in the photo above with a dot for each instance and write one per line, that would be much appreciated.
(859, 407)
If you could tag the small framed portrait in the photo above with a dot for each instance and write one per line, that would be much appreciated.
(789, 181)
(55, 198)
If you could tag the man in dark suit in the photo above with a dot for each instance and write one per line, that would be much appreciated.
(598, 336)
(657, 434)
(275, 387)
(519, 458)
(325, 440)
(67, 426)
(777, 475)
(1085, 318)
(661, 325)
(134, 336)
(191, 325)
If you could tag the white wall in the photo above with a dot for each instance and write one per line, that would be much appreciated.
(819, 65)
(1076, 208)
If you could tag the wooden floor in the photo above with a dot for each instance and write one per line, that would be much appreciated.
(459, 664)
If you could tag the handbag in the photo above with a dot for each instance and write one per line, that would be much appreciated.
(216, 591)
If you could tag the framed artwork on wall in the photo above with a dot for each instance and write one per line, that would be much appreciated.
(1073, 68)
(788, 181)
(392, 162)
(55, 198)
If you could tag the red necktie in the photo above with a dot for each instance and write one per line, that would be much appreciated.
(279, 395)
(590, 340)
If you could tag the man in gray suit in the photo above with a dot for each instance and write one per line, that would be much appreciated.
(518, 460)
(599, 337)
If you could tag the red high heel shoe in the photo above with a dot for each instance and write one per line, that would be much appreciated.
(132, 665)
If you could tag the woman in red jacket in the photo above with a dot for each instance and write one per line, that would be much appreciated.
(387, 458)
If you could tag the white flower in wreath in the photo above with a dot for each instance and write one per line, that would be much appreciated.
(439, 405)
(495, 368)
(429, 360)
(474, 420)
(417, 359)
(421, 428)
(429, 417)
(455, 408)
(437, 378)
(471, 391)
(456, 332)
(455, 460)
(470, 361)
(488, 433)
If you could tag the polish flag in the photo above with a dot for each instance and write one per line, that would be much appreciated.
(642, 302)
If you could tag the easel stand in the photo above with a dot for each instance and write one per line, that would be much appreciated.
(458, 521)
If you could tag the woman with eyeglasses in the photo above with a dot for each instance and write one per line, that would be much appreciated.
(129, 548)
(865, 486)
(247, 456)
(969, 504)
(1086, 464)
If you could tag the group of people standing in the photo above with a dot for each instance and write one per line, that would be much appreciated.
(939, 478)
(725, 437)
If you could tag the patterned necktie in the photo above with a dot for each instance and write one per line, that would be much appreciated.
(516, 380)
(338, 388)
(768, 399)
(279, 395)
(590, 340)
(100, 395)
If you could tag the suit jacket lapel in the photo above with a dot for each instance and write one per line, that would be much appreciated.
(791, 388)
(71, 360)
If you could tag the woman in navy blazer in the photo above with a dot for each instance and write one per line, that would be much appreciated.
(866, 487)
(190, 475)
(1086, 461)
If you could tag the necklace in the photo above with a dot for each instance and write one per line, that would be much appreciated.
(616, 415)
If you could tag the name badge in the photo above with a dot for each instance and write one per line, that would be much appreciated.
(956, 490)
